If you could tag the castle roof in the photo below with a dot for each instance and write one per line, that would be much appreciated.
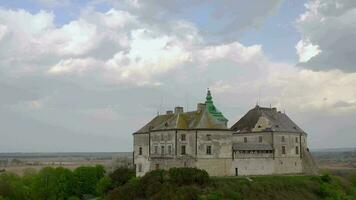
(261, 119)
(206, 116)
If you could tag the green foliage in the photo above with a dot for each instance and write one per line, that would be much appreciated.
(12, 187)
(177, 183)
(121, 176)
(188, 176)
(86, 179)
(174, 184)
(53, 183)
(104, 186)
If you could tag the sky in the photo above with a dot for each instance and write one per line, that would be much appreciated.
(80, 75)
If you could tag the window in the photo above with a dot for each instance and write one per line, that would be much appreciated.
(182, 137)
(162, 137)
(297, 150)
(283, 149)
(169, 149)
(208, 150)
(139, 167)
(182, 150)
(245, 139)
(296, 140)
(156, 149)
(283, 139)
(140, 151)
(208, 137)
(260, 139)
(162, 150)
(157, 166)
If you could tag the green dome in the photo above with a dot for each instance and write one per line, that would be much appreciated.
(212, 109)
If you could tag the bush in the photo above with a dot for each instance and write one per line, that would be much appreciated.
(104, 186)
(12, 187)
(121, 176)
(87, 178)
(188, 176)
(129, 191)
(53, 183)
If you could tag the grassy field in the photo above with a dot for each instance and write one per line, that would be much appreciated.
(339, 185)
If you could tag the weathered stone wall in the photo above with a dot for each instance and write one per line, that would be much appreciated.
(219, 141)
(215, 166)
(252, 166)
(141, 161)
(221, 161)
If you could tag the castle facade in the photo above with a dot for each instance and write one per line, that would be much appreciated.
(263, 142)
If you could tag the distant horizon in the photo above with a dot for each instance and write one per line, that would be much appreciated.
(94, 152)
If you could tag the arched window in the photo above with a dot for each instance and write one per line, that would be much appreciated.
(140, 151)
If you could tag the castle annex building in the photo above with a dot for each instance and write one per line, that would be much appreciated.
(264, 141)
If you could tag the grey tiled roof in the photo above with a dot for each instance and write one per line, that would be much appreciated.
(277, 121)
(186, 120)
(251, 146)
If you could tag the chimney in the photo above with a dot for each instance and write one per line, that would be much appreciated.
(200, 107)
(178, 109)
(169, 112)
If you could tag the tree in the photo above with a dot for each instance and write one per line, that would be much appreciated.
(11, 187)
(104, 185)
(87, 178)
(53, 183)
(121, 176)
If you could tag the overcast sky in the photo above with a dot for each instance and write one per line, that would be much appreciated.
(80, 75)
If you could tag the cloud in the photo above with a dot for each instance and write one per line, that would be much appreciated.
(73, 66)
(3, 31)
(327, 29)
(306, 50)
(113, 70)
(234, 51)
(52, 3)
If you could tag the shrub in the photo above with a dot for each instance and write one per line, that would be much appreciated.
(129, 191)
(121, 176)
(188, 176)
(87, 178)
(12, 187)
(104, 185)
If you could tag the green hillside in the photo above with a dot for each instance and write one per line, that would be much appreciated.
(174, 184)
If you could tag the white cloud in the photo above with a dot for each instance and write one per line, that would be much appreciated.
(149, 55)
(3, 31)
(234, 51)
(328, 31)
(306, 50)
(73, 66)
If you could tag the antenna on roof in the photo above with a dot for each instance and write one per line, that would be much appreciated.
(161, 105)
(258, 97)
(186, 101)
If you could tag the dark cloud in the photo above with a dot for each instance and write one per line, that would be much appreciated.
(330, 25)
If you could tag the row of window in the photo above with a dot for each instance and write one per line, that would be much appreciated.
(209, 152)
(255, 151)
(284, 150)
(267, 151)
(165, 137)
(169, 152)
(260, 139)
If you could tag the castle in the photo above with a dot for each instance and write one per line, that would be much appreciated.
(264, 141)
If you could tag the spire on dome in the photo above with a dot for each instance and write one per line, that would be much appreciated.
(212, 109)
(209, 97)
